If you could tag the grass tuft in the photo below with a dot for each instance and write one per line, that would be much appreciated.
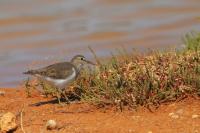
(131, 80)
(143, 80)
(192, 41)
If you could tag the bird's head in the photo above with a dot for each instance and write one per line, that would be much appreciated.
(80, 60)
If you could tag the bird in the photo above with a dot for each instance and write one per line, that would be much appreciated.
(61, 74)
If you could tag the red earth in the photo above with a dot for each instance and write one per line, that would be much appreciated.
(176, 117)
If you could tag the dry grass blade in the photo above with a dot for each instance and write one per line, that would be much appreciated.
(21, 119)
(95, 56)
(146, 80)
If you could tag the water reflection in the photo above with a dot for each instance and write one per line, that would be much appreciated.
(49, 30)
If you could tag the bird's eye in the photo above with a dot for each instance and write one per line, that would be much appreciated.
(81, 58)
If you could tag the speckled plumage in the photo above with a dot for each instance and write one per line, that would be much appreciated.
(55, 71)
(61, 74)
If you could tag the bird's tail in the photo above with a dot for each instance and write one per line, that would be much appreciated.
(31, 72)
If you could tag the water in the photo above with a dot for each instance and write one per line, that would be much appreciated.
(35, 33)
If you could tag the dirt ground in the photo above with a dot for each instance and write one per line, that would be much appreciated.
(177, 117)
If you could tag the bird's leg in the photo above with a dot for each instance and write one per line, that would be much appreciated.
(58, 93)
(64, 94)
(58, 97)
(66, 98)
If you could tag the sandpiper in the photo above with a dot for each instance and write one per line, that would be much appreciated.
(61, 74)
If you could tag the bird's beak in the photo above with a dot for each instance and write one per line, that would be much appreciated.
(89, 62)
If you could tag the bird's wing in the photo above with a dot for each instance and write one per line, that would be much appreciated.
(56, 71)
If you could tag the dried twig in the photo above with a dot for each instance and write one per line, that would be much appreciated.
(21, 120)
(95, 56)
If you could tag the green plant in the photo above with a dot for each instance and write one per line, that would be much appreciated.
(192, 41)
(143, 80)
(131, 80)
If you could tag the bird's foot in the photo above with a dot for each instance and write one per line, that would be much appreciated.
(63, 103)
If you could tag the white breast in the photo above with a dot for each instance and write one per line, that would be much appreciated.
(61, 83)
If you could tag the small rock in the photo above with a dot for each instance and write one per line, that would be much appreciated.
(170, 114)
(173, 115)
(2, 93)
(131, 131)
(180, 111)
(172, 105)
(51, 124)
(8, 122)
(137, 117)
(195, 116)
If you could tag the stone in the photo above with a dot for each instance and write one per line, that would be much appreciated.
(51, 124)
(195, 116)
(136, 117)
(173, 115)
(131, 131)
(2, 93)
(180, 111)
(8, 122)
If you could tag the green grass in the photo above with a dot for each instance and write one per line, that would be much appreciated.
(192, 41)
(131, 80)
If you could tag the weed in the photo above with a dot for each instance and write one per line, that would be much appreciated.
(192, 41)
(153, 79)
(133, 79)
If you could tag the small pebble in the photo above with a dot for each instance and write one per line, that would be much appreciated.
(51, 124)
(136, 117)
(173, 115)
(2, 93)
(172, 105)
(195, 116)
(131, 131)
(170, 114)
(180, 111)
(8, 122)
